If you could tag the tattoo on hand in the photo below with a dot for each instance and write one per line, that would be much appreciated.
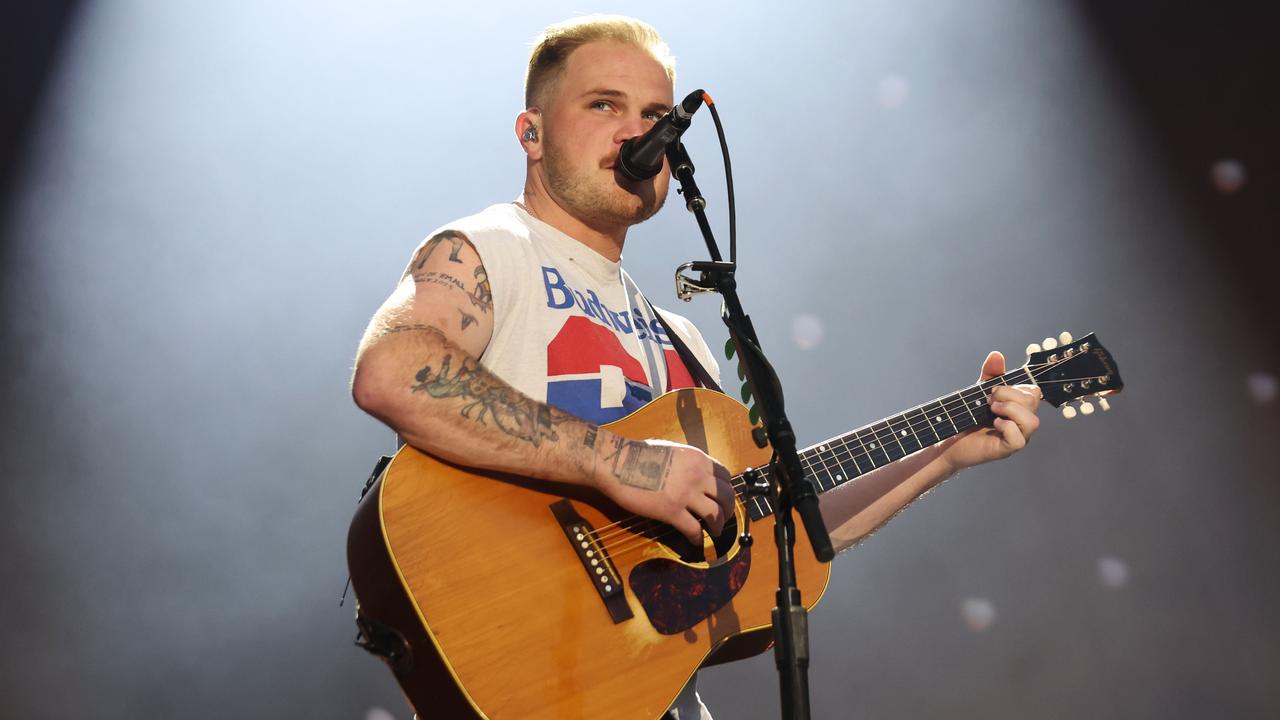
(453, 237)
(640, 465)
(513, 413)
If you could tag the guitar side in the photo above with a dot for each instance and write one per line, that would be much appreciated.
(499, 615)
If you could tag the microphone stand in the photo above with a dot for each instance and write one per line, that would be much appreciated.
(793, 489)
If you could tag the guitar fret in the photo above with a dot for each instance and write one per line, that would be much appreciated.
(905, 435)
(858, 452)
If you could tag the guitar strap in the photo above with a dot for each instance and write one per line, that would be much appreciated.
(700, 374)
(691, 363)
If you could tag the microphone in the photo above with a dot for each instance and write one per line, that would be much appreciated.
(641, 157)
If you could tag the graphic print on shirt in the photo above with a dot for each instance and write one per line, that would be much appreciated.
(589, 372)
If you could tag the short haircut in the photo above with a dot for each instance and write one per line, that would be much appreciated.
(552, 48)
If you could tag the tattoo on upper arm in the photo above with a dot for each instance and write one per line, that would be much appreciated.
(639, 464)
(486, 396)
(467, 319)
(419, 261)
(409, 328)
(439, 278)
(482, 297)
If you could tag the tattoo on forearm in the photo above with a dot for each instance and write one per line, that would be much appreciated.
(486, 396)
(467, 319)
(453, 237)
(640, 465)
(590, 439)
(482, 297)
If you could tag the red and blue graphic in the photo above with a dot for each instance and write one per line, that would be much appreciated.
(589, 373)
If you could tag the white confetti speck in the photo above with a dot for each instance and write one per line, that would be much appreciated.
(1263, 387)
(1113, 572)
(978, 613)
(1228, 176)
(807, 331)
(892, 92)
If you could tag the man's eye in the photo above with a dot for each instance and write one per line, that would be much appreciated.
(653, 116)
(601, 105)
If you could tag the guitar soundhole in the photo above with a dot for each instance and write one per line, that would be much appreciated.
(712, 552)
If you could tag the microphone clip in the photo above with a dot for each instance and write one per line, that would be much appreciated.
(711, 277)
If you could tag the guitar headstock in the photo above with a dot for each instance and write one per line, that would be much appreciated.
(1067, 371)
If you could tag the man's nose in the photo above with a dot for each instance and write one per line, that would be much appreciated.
(629, 128)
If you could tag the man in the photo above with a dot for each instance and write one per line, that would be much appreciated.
(514, 333)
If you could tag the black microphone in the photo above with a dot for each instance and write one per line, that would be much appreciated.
(641, 157)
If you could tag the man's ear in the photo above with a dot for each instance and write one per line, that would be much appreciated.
(529, 132)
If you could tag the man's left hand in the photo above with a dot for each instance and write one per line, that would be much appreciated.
(1015, 409)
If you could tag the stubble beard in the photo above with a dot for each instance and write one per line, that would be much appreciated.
(597, 201)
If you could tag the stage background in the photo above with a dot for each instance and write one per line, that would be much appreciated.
(204, 203)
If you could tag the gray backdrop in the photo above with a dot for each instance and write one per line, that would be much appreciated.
(213, 198)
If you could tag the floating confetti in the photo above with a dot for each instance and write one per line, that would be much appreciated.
(807, 331)
(978, 613)
(1263, 387)
(1228, 176)
(1112, 572)
(892, 92)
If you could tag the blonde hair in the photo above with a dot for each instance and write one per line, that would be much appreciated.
(552, 48)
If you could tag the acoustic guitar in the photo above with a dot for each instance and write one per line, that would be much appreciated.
(497, 596)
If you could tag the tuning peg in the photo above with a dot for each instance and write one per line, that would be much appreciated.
(1086, 407)
(1102, 403)
(1068, 412)
(1065, 338)
(1033, 348)
(1049, 343)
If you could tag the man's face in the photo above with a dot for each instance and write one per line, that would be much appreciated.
(609, 92)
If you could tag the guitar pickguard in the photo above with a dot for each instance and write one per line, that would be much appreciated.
(677, 597)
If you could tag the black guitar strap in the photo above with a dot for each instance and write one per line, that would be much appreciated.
(700, 374)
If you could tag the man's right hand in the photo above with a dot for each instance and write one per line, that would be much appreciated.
(677, 484)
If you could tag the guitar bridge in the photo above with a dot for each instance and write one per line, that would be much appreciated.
(595, 560)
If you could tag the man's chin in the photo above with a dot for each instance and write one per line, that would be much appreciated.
(641, 203)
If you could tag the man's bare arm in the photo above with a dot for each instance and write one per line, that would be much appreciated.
(417, 371)
(854, 511)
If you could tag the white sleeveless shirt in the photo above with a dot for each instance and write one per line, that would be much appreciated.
(570, 327)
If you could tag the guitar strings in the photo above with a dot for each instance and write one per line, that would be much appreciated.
(634, 525)
(837, 456)
(637, 523)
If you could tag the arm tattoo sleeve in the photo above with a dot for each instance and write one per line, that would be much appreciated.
(487, 398)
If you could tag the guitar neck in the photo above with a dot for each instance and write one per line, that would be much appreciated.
(835, 462)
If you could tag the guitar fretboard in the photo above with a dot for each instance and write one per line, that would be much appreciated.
(841, 459)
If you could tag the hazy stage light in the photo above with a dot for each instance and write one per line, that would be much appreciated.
(377, 713)
(807, 331)
(1228, 176)
(1263, 387)
(1113, 572)
(978, 613)
(892, 92)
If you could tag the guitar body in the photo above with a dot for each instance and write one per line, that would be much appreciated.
(497, 615)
